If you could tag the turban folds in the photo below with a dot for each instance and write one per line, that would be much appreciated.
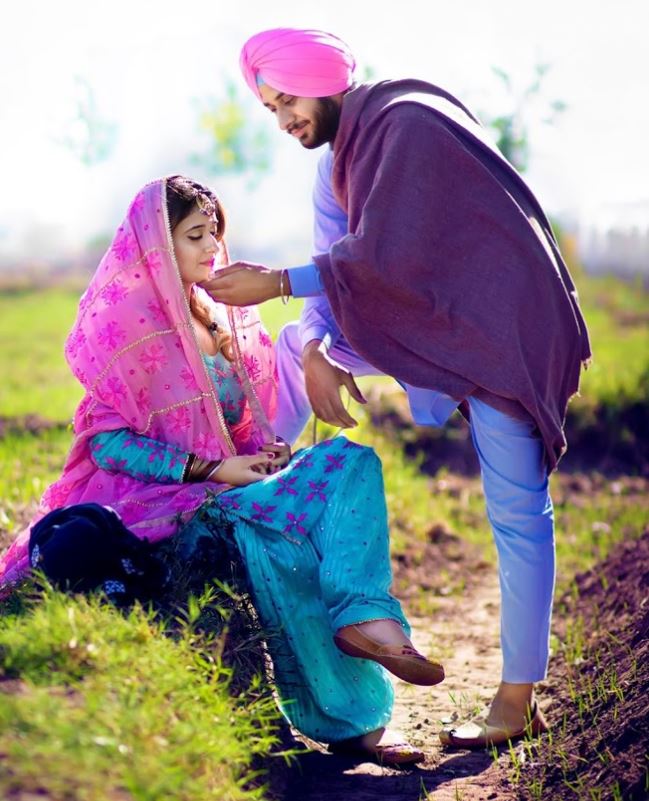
(304, 63)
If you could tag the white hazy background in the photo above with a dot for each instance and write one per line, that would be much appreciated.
(150, 62)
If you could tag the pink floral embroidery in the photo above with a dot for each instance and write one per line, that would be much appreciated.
(115, 466)
(304, 462)
(75, 341)
(143, 398)
(122, 483)
(188, 377)
(137, 205)
(124, 246)
(183, 501)
(294, 523)
(265, 340)
(230, 500)
(114, 392)
(154, 262)
(251, 363)
(335, 463)
(317, 490)
(262, 512)
(286, 486)
(114, 293)
(153, 359)
(156, 312)
(111, 335)
(205, 444)
(157, 450)
(82, 407)
(56, 496)
(86, 299)
(179, 419)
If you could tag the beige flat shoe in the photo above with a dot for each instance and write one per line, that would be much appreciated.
(401, 660)
(477, 733)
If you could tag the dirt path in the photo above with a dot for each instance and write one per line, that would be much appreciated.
(465, 636)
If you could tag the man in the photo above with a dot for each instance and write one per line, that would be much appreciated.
(434, 264)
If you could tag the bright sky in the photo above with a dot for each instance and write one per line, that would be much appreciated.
(150, 61)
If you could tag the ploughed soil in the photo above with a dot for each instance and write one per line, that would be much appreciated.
(598, 700)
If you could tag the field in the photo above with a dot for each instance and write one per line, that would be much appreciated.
(85, 688)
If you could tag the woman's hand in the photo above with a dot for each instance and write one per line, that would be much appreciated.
(238, 471)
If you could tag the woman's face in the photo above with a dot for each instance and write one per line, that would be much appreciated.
(195, 246)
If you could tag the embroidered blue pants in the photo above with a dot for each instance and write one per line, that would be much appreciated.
(515, 484)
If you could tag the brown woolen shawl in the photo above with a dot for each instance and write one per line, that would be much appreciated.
(450, 277)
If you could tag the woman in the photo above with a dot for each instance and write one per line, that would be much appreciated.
(175, 420)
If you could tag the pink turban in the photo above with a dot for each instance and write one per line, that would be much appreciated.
(303, 63)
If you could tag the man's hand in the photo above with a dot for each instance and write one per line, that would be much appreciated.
(323, 380)
(244, 284)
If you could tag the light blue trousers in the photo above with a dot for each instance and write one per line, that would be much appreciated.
(515, 482)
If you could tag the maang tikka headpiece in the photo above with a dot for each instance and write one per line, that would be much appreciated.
(205, 204)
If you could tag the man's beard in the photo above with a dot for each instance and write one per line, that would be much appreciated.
(325, 123)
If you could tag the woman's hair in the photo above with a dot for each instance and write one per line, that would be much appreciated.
(183, 197)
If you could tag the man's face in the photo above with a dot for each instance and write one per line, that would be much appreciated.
(311, 120)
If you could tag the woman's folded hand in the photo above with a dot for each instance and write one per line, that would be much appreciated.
(241, 470)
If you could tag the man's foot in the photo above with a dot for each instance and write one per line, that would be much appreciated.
(514, 713)
(386, 747)
(392, 649)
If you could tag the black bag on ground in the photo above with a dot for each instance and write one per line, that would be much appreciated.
(87, 547)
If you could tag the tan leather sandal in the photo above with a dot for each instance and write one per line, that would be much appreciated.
(401, 660)
(477, 733)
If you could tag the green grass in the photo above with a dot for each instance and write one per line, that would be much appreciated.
(617, 314)
(28, 464)
(146, 716)
(588, 524)
(33, 327)
(104, 706)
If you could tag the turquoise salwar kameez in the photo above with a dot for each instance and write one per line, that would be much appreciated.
(314, 542)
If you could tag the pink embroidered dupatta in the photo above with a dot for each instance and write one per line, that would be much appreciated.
(134, 350)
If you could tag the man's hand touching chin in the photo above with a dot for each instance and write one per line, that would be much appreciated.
(244, 284)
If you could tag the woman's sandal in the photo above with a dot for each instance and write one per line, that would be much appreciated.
(478, 733)
(394, 754)
(402, 660)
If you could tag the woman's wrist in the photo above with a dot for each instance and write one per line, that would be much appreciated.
(214, 469)
(202, 469)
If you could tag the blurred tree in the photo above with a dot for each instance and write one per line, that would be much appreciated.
(89, 137)
(526, 105)
(237, 146)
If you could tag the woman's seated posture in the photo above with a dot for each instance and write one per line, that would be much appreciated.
(179, 392)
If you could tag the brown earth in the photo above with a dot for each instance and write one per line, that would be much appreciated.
(29, 423)
(599, 703)
(595, 745)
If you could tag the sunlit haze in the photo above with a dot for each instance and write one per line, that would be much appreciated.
(150, 63)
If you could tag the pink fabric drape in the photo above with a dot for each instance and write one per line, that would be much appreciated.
(134, 350)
